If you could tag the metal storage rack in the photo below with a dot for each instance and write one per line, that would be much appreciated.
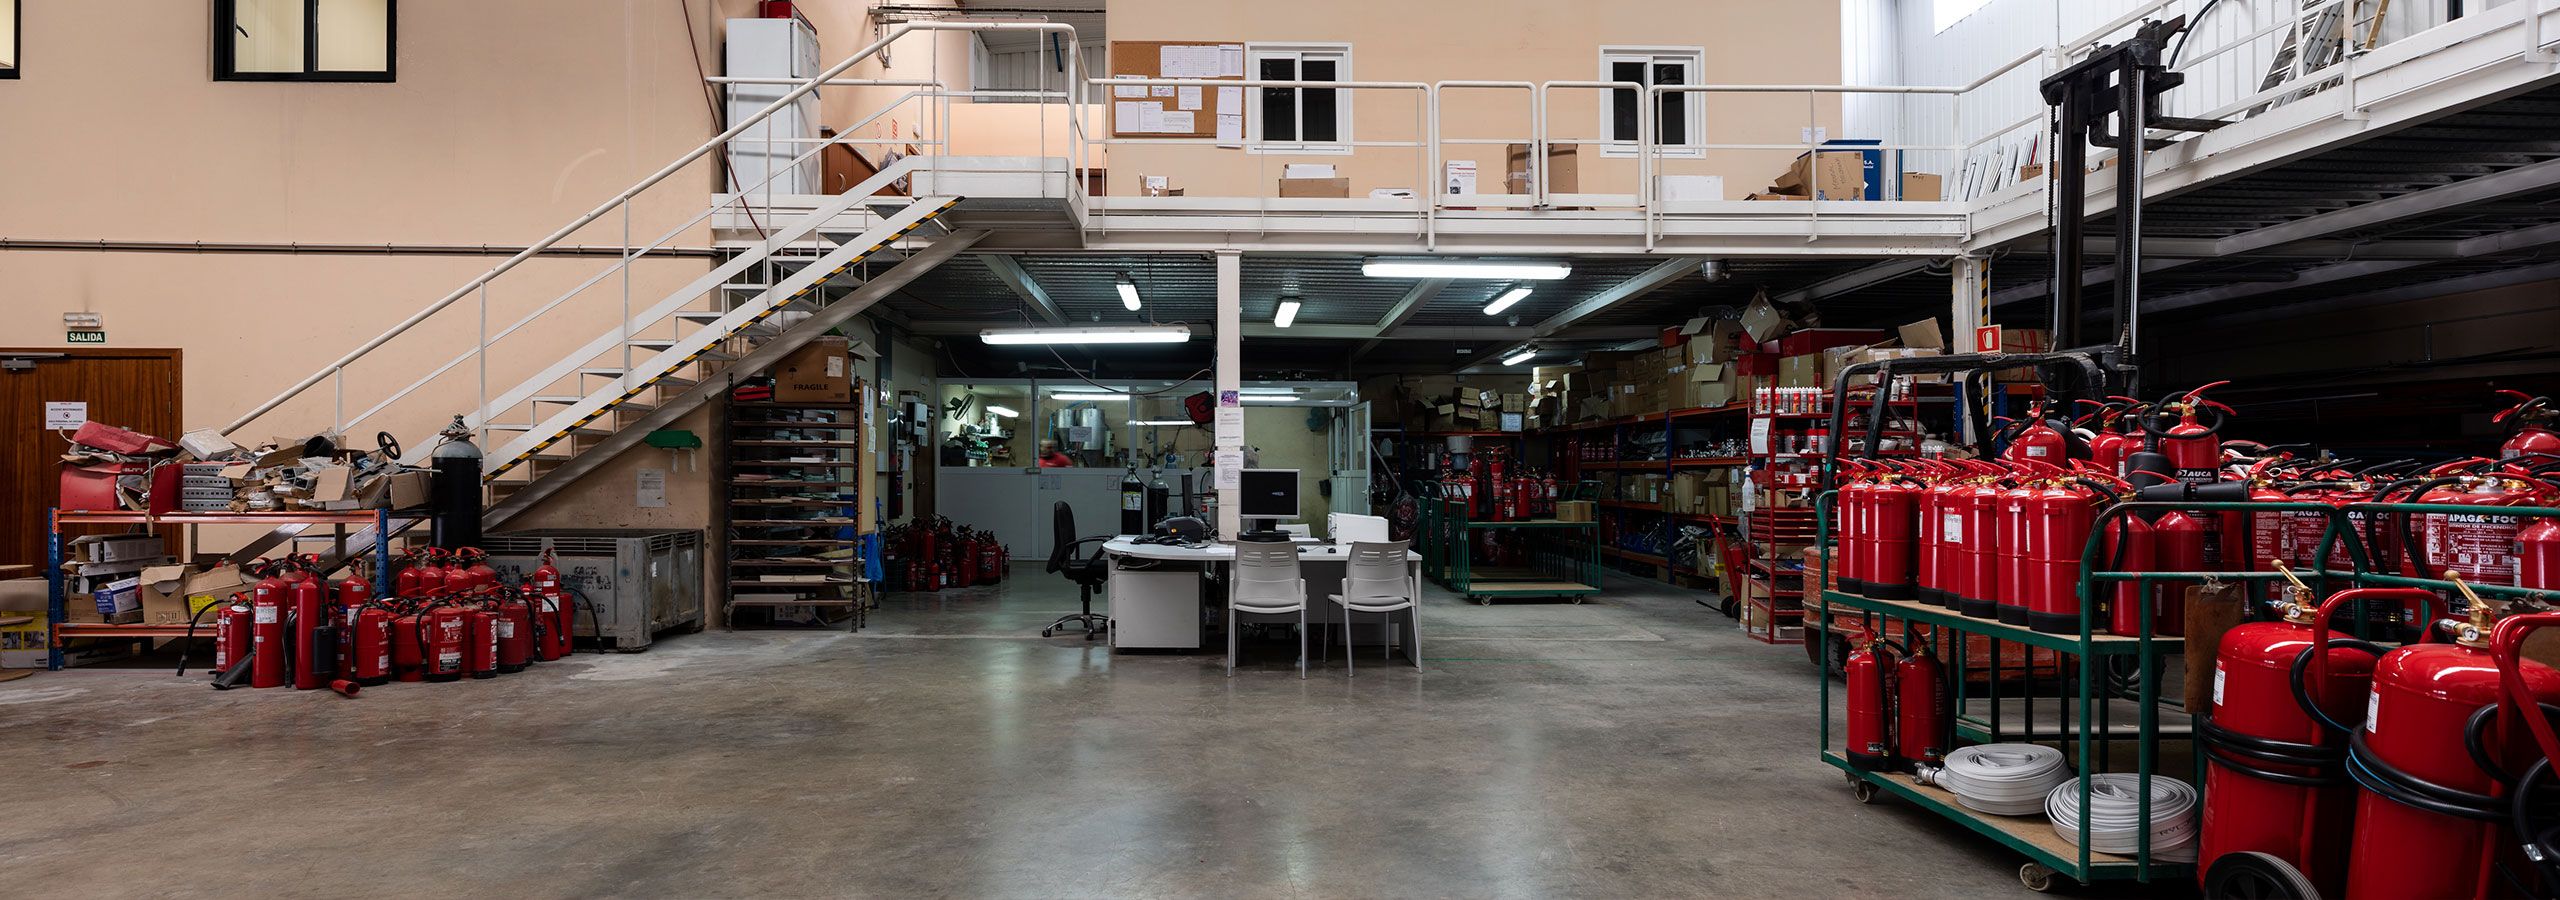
(1625, 516)
(56, 601)
(1567, 563)
(1771, 534)
(790, 495)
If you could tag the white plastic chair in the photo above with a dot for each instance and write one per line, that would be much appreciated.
(1375, 581)
(1266, 582)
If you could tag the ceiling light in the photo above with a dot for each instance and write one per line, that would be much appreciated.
(1124, 334)
(1464, 268)
(1170, 423)
(1270, 398)
(1526, 354)
(1504, 302)
(1128, 292)
(1288, 314)
(1088, 397)
(1266, 390)
(1002, 411)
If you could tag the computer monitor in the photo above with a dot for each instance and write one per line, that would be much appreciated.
(1266, 497)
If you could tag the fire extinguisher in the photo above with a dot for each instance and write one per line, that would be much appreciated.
(551, 640)
(313, 631)
(408, 644)
(1892, 520)
(480, 633)
(445, 634)
(431, 572)
(563, 627)
(2481, 547)
(2275, 780)
(2036, 440)
(368, 642)
(515, 632)
(268, 661)
(231, 629)
(404, 583)
(2109, 442)
(2532, 417)
(2012, 591)
(990, 559)
(1869, 733)
(473, 562)
(1922, 709)
(1977, 582)
(1849, 532)
(1133, 503)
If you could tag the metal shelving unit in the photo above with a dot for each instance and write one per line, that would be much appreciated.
(1565, 563)
(789, 525)
(1642, 517)
(57, 600)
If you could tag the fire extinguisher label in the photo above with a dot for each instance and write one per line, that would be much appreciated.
(2372, 711)
(1951, 528)
(2217, 685)
(2036, 449)
(266, 615)
(382, 663)
(449, 660)
(506, 629)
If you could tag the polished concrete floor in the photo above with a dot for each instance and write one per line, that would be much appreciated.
(1634, 746)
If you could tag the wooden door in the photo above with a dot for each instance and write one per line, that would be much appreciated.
(136, 389)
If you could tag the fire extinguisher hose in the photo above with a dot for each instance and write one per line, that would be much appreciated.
(2251, 756)
(2003, 779)
(191, 633)
(2370, 772)
(2115, 815)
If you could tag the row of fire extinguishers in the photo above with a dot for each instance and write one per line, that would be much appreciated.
(1496, 488)
(447, 617)
(2003, 538)
(934, 555)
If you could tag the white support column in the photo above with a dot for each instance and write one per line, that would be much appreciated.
(1230, 368)
(1971, 308)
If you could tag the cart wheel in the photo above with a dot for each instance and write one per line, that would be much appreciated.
(1048, 632)
(1851, 777)
(2256, 876)
(1864, 790)
(1731, 608)
(2036, 876)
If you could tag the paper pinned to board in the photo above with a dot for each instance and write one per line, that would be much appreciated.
(1188, 61)
(1231, 60)
(1230, 470)
(1231, 129)
(1127, 116)
(1127, 91)
(1231, 100)
(1150, 117)
(1230, 426)
(1180, 121)
(1160, 90)
(1187, 97)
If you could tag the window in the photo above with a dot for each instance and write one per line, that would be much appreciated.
(1944, 14)
(9, 38)
(1301, 119)
(303, 40)
(1675, 115)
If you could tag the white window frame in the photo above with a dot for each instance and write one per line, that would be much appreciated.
(1944, 14)
(1254, 54)
(1694, 102)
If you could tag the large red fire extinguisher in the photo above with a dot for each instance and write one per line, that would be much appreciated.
(1888, 554)
(446, 636)
(1976, 582)
(368, 643)
(2481, 547)
(1849, 527)
(404, 583)
(268, 666)
(477, 574)
(313, 630)
(2275, 781)
(515, 632)
(2009, 538)
(2037, 441)
(409, 645)
(1922, 709)
(2531, 416)
(480, 634)
(431, 572)
(551, 637)
(231, 630)
(2430, 821)
(1870, 741)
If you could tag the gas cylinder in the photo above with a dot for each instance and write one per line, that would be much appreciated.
(2270, 533)
(2127, 544)
(2178, 540)
(447, 638)
(515, 632)
(2055, 532)
(269, 662)
(1921, 709)
(314, 630)
(1890, 546)
(409, 645)
(562, 629)
(1978, 534)
(480, 637)
(1870, 745)
(2037, 441)
(1937, 481)
(368, 642)
(2012, 594)
(2415, 760)
(1849, 528)
(456, 523)
(2531, 416)
(2109, 442)
(2275, 782)
(231, 630)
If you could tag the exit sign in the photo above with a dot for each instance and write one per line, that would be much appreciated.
(85, 337)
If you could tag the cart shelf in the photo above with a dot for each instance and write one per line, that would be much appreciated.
(2031, 835)
(2099, 643)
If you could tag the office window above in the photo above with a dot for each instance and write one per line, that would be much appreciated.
(9, 38)
(1675, 116)
(1301, 119)
(304, 40)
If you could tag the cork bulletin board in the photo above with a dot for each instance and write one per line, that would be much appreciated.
(1169, 112)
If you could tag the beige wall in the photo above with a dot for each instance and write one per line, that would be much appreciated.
(1746, 42)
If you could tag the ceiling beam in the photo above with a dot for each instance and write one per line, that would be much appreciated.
(1412, 302)
(1625, 291)
(1846, 282)
(2423, 290)
(1311, 332)
(1010, 271)
(2304, 279)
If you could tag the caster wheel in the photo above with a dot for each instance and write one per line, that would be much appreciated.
(2256, 876)
(1048, 632)
(1851, 778)
(1865, 791)
(1731, 608)
(2036, 876)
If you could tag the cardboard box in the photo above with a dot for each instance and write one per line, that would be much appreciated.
(1327, 188)
(1515, 403)
(1711, 385)
(1564, 169)
(119, 602)
(108, 548)
(1922, 186)
(400, 490)
(1800, 371)
(1575, 510)
(1307, 170)
(1761, 319)
(821, 372)
(1922, 335)
(1157, 186)
(173, 594)
(2022, 340)
(1828, 175)
(1771, 194)
(23, 646)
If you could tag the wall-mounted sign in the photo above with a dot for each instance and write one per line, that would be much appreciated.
(84, 337)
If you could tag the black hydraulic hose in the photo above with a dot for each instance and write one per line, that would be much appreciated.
(2251, 756)
(2412, 551)
(2370, 772)
(2302, 689)
(2542, 843)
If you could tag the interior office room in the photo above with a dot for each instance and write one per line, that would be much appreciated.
(1127, 448)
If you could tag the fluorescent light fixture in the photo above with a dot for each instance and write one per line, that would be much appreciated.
(1464, 268)
(1269, 398)
(1169, 423)
(1288, 314)
(1128, 292)
(1115, 334)
(1088, 397)
(1504, 302)
(1526, 354)
(1006, 412)
(1266, 390)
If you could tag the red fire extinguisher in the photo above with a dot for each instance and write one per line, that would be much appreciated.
(1922, 709)
(990, 560)
(368, 642)
(515, 632)
(1977, 580)
(2037, 441)
(2531, 416)
(2479, 546)
(446, 636)
(2109, 442)
(2012, 588)
(480, 634)
(409, 644)
(1849, 526)
(1892, 522)
(431, 572)
(268, 665)
(1870, 742)
(404, 583)
(477, 575)
(231, 629)
(312, 627)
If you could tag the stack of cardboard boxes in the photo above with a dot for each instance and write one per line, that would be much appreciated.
(1856, 174)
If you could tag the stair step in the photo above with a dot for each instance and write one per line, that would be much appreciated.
(700, 316)
(562, 399)
(602, 373)
(652, 343)
(583, 430)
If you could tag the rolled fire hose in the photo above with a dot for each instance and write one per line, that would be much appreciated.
(2115, 815)
(2001, 779)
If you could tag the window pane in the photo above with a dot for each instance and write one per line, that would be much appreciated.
(8, 35)
(1322, 122)
(1671, 117)
(355, 35)
(1622, 103)
(266, 36)
(1279, 105)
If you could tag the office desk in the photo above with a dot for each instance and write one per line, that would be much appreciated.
(1159, 595)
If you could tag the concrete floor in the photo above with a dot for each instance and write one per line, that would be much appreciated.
(1634, 746)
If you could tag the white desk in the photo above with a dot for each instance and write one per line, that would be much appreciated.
(1162, 609)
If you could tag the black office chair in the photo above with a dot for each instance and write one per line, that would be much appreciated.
(1088, 572)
